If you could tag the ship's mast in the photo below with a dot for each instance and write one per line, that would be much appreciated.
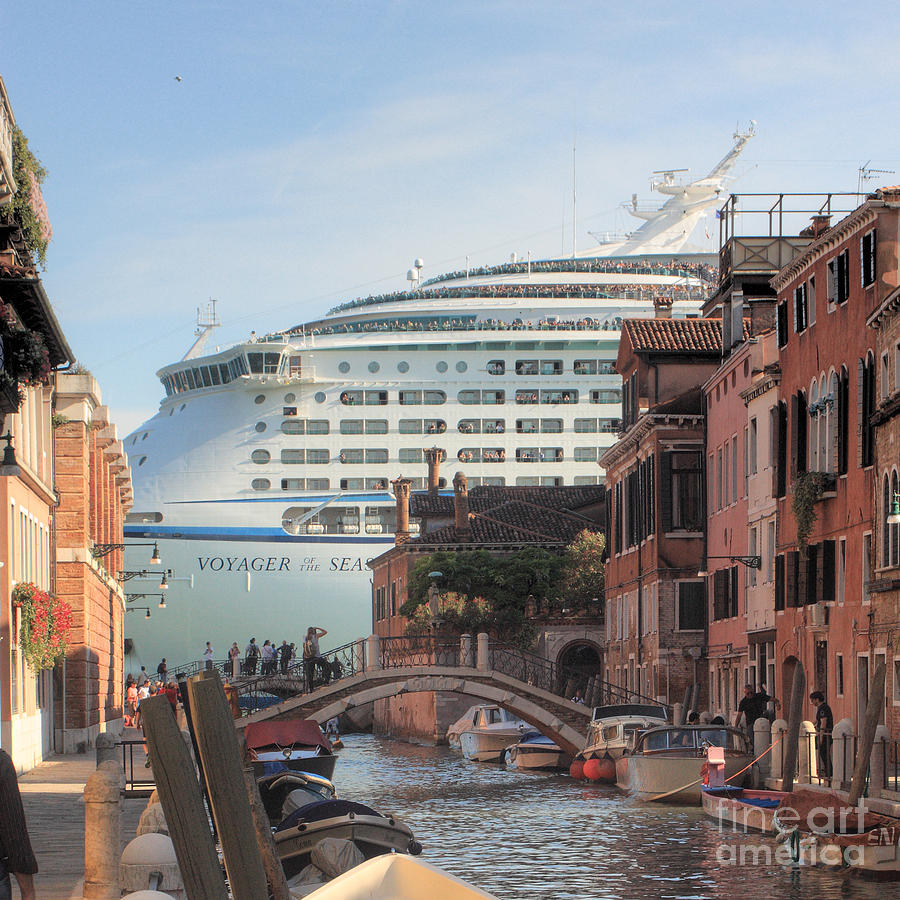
(207, 322)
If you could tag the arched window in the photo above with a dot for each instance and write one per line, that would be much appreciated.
(823, 426)
(895, 529)
(886, 529)
(812, 442)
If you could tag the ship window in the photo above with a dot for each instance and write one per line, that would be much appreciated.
(528, 454)
(376, 484)
(317, 484)
(260, 427)
(585, 367)
(376, 455)
(317, 457)
(403, 366)
(260, 484)
(441, 367)
(374, 367)
(205, 376)
(259, 398)
(189, 374)
(410, 398)
(610, 426)
(352, 426)
(493, 455)
(293, 457)
(585, 426)
(551, 426)
(344, 367)
(435, 426)
(435, 397)
(551, 367)
(142, 518)
(551, 481)
(376, 398)
(353, 484)
(585, 454)
(291, 519)
(469, 454)
(523, 397)
(292, 484)
(559, 397)
(527, 426)
(376, 426)
(256, 363)
(352, 398)
(214, 375)
(260, 456)
(410, 426)
(320, 396)
(528, 481)
(289, 398)
(496, 398)
(289, 410)
(272, 361)
(469, 426)
(293, 426)
(410, 455)
(351, 456)
(461, 366)
(496, 367)
(586, 479)
(493, 426)
(526, 367)
(317, 426)
(606, 396)
(468, 398)
(494, 481)
(225, 372)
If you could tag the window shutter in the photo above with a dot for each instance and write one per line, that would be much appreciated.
(651, 498)
(843, 423)
(860, 409)
(863, 262)
(827, 569)
(790, 578)
(779, 581)
(796, 304)
(720, 584)
(733, 598)
(813, 586)
(665, 491)
(795, 435)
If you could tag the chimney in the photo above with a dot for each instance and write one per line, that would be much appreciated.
(461, 506)
(818, 225)
(433, 458)
(662, 307)
(401, 487)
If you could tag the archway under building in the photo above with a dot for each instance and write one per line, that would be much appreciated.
(583, 659)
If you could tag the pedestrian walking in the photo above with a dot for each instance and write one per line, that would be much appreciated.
(208, 654)
(131, 704)
(251, 655)
(16, 855)
(162, 671)
(234, 656)
(143, 678)
(284, 652)
(266, 658)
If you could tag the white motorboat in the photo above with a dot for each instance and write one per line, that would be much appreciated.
(667, 762)
(534, 752)
(490, 731)
(612, 732)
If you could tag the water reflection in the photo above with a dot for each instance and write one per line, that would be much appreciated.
(536, 837)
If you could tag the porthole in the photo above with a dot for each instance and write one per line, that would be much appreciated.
(289, 398)
(260, 457)
(441, 366)
(320, 397)
(260, 427)
(461, 366)
(142, 460)
(374, 367)
(403, 366)
(344, 367)
(260, 484)
(259, 398)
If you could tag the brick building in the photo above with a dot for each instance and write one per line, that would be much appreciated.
(655, 601)
(94, 487)
(825, 452)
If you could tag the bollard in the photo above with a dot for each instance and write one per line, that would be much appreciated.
(373, 653)
(878, 760)
(465, 651)
(677, 713)
(841, 754)
(705, 717)
(484, 656)
(806, 754)
(779, 730)
(103, 832)
(107, 748)
(762, 737)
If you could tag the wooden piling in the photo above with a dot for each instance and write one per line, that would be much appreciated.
(792, 738)
(867, 736)
(182, 803)
(217, 741)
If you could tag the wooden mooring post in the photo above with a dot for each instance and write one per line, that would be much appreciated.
(792, 737)
(867, 734)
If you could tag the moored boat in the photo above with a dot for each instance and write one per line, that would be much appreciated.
(490, 731)
(287, 791)
(535, 752)
(296, 744)
(613, 731)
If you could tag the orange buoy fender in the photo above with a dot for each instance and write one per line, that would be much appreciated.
(592, 769)
(607, 770)
(576, 770)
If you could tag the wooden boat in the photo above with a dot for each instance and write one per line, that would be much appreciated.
(820, 827)
(371, 832)
(534, 752)
(612, 731)
(667, 763)
(398, 877)
(292, 743)
(490, 731)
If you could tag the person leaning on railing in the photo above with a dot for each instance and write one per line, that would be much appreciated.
(16, 855)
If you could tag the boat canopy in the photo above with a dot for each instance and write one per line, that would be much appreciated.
(305, 732)
(673, 737)
(645, 710)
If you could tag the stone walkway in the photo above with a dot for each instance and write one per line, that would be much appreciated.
(54, 810)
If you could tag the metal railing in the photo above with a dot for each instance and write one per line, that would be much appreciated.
(422, 650)
(139, 781)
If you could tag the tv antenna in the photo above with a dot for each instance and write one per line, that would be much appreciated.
(868, 174)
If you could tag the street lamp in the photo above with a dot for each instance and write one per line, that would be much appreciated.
(130, 598)
(98, 551)
(751, 562)
(136, 608)
(894, 515)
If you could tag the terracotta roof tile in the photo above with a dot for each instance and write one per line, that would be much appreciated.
(483, 497)
(676, 335)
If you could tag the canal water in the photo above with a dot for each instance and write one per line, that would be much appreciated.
(537, 837)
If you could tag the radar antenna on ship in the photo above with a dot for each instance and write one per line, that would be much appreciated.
(207, 322)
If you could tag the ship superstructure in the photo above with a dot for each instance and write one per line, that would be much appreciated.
(265, 475)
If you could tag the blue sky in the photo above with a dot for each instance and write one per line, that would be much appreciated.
(312, 150)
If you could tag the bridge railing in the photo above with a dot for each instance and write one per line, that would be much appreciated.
(421, 650)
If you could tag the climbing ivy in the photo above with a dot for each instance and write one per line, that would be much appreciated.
(27, 170)
(808, 488)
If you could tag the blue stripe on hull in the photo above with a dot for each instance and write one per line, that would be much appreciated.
(262, 535)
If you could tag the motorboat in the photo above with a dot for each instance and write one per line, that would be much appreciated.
(667, 762)
(296, 744)
(459, 726)
(370, 831)
(490, 731)
(820, 827)
(398, 877)
(741, 808)
(612, 731)
(535, 752)
(288, 790)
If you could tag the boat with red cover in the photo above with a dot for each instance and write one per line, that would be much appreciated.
(294, 744)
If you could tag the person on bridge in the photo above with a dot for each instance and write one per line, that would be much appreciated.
(312, 654)
(234, 657)
(251, 655)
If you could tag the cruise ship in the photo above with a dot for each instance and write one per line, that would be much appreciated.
(264, 478)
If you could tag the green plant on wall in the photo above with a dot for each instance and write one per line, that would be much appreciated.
(808, 489)
(24, 360)
(26, 167)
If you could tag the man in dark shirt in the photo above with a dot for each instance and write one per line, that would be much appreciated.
(824, 727)
(750, 708)
(16, 855)
(162, 671)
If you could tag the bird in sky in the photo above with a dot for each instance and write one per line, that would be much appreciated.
(178, 78)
